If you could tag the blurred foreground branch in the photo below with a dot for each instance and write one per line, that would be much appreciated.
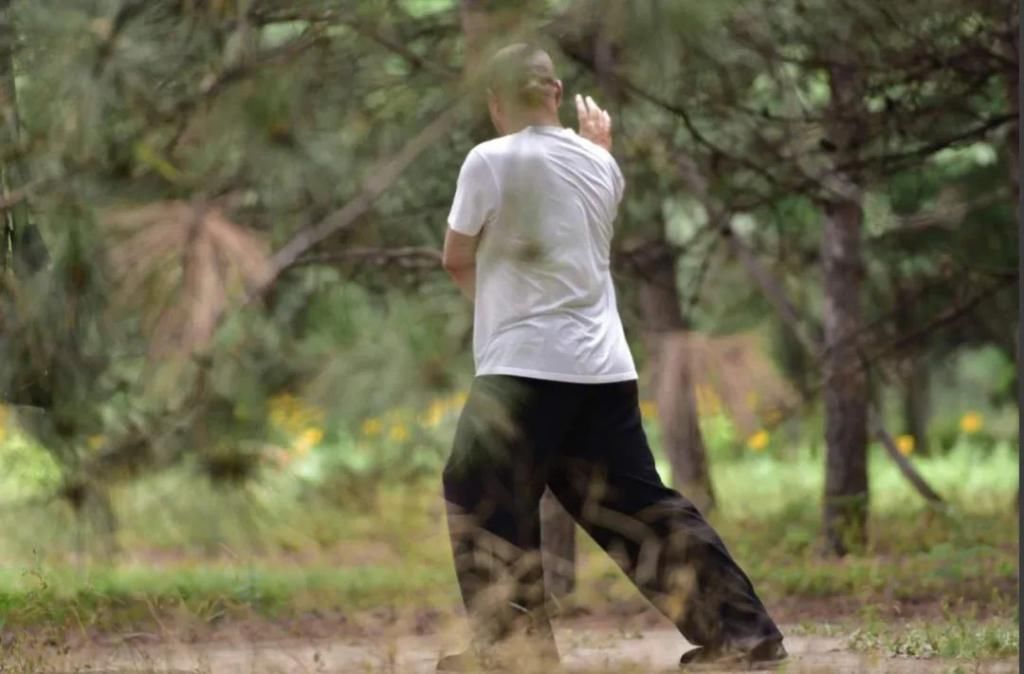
(410, 257)
(379, 179)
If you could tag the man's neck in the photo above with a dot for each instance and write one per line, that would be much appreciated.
(541, 118)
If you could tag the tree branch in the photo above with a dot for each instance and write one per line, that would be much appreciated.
(776, 295)
(406, 256)
(378, 180)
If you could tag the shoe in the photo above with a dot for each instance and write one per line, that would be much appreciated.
(766, 655)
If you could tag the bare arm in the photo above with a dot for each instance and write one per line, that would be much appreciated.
(459, 259)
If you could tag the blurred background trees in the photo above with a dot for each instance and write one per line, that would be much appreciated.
(211, 207)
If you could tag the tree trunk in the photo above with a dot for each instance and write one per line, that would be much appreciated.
(846, 391)
(671, 378)
(788, 316)
(916, 404)
(482, 23)
(914, 385)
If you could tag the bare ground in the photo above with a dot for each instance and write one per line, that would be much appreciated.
(588, 645)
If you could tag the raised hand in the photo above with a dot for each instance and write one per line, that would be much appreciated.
(595, 123)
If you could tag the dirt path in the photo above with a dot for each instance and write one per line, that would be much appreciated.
(584, 650)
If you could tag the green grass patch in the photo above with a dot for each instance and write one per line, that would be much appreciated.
(284, 545)
(107, 597)
(959, 638)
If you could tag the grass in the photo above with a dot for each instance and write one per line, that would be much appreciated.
(933, 582)
(970, 480)
(953, 638)
(109, 597)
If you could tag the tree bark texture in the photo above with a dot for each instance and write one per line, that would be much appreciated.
(773, 290)
(846, 391)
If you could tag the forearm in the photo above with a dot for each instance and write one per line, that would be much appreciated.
(465, 280)
(459, 259)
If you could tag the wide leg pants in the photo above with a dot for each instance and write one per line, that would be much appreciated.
(585, 442)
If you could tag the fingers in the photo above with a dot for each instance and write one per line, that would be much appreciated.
(586, 107)
(581, 109)
(595, 123)
(594, 110)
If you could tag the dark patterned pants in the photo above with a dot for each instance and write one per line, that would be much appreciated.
(585, 442)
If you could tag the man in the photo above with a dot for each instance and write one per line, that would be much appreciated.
(554, 403)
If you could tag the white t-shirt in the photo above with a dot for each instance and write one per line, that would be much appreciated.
(543, 201)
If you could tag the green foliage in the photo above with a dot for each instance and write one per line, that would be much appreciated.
(248, 124)
(26, 470)
(957, 636)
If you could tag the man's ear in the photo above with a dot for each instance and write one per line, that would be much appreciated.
(494, 107)
(558, 93)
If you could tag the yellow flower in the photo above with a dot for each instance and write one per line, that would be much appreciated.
(905, 443)
(971, 422)
(773, 415)
(96, 441)
(310, 438)
(434, 415)
(758, 441)
(648, 410)
(398, 433)
(371, 427)
(459, 399)
(291, 414)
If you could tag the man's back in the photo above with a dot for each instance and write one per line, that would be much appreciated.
(545, 303)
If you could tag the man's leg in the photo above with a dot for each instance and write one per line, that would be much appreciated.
(493, 483)
(607, 479)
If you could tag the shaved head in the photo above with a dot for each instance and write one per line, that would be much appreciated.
(522, 88)
(523, 73)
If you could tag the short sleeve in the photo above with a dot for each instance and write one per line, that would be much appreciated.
(619, 181)
(476, 196)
